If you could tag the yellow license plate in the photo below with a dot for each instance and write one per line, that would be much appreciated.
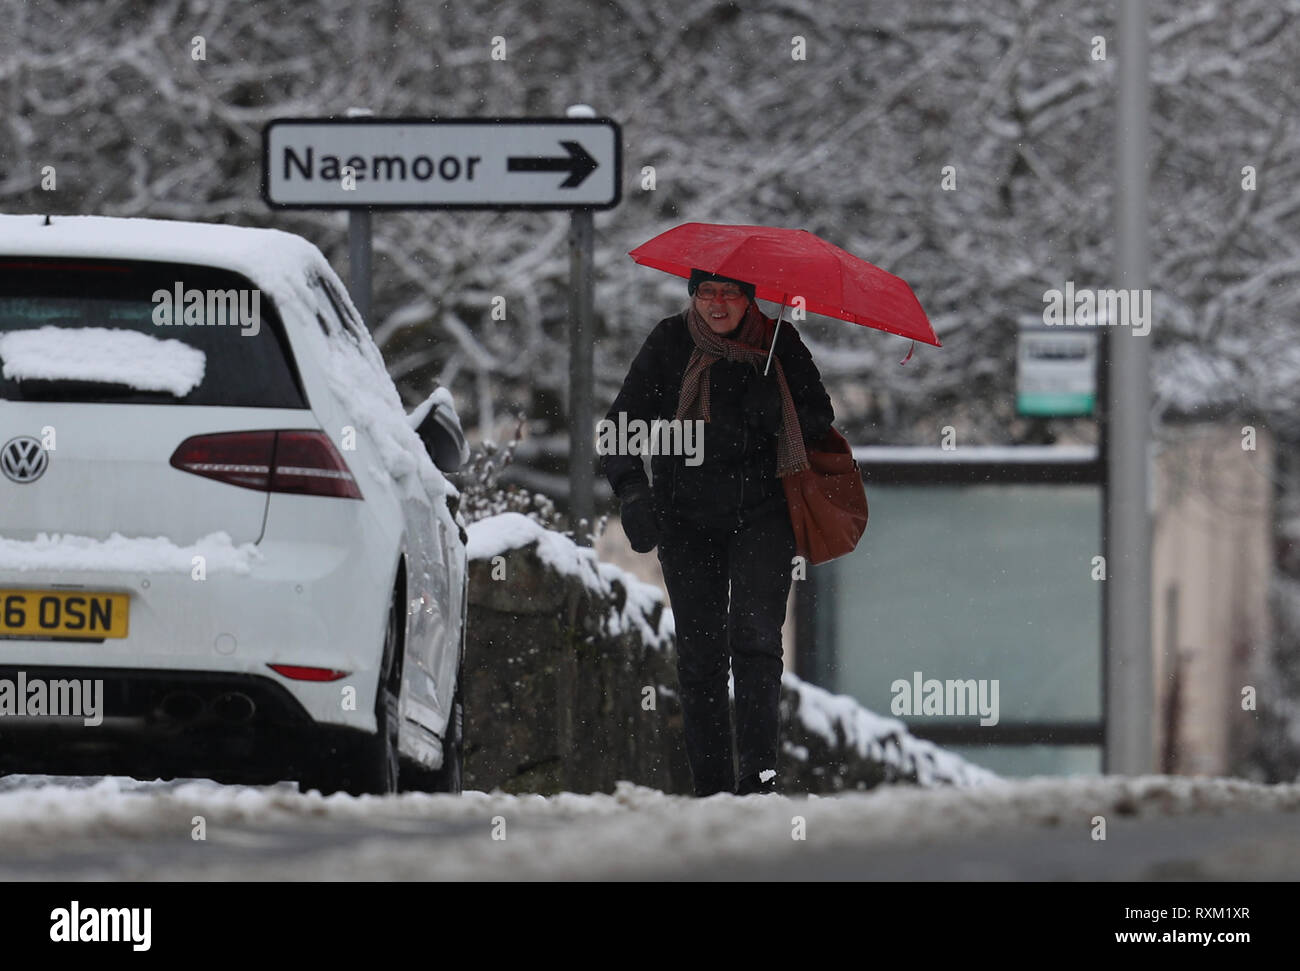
(60, 613)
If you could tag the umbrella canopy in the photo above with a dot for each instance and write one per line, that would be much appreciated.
(787, 263)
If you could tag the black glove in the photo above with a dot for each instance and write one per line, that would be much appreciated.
(638, 515)
(761, 402)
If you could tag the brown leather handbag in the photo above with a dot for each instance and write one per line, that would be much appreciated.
(828, 503)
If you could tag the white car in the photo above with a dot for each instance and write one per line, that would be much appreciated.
(216, 517)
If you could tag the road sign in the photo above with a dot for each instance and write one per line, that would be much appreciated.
(458, 163)
(1056, 370)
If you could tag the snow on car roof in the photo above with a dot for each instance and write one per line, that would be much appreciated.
(264, 256)
(277, 262)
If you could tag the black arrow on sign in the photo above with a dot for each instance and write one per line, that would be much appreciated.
(578, 164)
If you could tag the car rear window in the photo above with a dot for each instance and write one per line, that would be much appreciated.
(247, 359)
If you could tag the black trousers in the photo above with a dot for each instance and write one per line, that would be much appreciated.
(698, 565)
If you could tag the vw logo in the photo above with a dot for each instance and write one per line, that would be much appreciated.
(23, 459)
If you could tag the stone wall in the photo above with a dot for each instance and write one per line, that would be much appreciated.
(570, 685)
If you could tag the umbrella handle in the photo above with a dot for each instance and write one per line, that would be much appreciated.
(779, 314)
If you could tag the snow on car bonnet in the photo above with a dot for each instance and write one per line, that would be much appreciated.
(102, 355)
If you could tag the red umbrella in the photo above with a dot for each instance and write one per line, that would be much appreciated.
(786, 263)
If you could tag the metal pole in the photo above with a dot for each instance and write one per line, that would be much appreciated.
(359, 261)
(779, 314)
(359, 248)
(581, 406)
(582, 409)
(1130, 688)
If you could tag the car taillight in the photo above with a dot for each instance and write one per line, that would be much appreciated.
(239, 458)
(300, 462)
(308, 463)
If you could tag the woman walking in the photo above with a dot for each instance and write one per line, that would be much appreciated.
(722, 525)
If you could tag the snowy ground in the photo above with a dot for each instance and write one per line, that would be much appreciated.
(118, 829)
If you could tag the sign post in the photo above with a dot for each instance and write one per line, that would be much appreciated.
(361, 163)
(359, 249)
(1130, 686)
(582, 419)
(582, 407)
(359, 272)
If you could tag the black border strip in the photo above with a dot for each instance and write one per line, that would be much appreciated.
(1088, 472)
(1011, 733)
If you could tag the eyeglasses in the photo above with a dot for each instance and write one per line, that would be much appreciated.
(707, 291)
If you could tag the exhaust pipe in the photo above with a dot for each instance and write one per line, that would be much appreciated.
(235, 707)
(182, 706)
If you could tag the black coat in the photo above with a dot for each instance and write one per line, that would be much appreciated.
(737, 482)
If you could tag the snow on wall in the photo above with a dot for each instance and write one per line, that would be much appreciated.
(497, 534)
(878, 738)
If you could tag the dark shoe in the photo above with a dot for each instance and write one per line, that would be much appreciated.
(753, 784)
(704, 791)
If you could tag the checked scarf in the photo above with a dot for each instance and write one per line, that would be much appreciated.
(749, 344)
